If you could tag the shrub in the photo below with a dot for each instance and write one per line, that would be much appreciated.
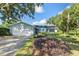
(48, 46)
(4, 32)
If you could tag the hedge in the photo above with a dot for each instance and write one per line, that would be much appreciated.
(4, 32)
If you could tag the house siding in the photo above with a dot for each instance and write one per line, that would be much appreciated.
(45, 28)
(21, 29)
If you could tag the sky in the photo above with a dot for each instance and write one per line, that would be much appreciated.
(44, 12)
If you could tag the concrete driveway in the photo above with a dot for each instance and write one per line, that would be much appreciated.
(10, 44)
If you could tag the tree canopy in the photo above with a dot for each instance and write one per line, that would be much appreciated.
(11, 13)
(17, 10)
(68, 19)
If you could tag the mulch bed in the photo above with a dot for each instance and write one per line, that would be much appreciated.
(49, 47)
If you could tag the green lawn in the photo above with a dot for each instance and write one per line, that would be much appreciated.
(71, 39)
(24, 51)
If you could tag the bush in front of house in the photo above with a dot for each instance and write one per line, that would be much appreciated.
(4, 32)
(50, 47)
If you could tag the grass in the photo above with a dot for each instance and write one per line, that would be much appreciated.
(24, 51)
(71, 39)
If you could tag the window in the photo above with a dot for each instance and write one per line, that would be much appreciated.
(51, 30)
(43, 29)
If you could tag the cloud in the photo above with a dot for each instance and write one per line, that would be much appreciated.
(60, 12)
(68, 6)
(41, 22)
(36, 22)
(39, 9)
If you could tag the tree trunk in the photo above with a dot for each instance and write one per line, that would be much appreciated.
(68, 24)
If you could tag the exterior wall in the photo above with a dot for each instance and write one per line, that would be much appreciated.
(48, 29)
(21, 30)
(45, 28)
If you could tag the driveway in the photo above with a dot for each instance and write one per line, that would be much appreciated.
(10, 44)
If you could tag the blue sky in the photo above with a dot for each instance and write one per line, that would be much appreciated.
(45, 12)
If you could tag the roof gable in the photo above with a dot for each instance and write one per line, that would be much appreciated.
(21, 23)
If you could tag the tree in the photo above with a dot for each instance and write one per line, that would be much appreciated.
(68, 19)
(11, 13)
(17, 10)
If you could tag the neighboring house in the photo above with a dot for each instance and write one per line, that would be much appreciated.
(21, 29)
(45, 28)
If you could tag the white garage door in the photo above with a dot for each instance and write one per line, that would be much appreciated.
(27, 32)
